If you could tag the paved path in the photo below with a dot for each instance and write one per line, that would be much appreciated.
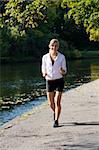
(79, 124)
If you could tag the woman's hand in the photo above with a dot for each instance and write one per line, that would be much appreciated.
(62, 71)
(44, 74)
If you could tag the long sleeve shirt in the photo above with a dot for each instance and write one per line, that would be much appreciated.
(53, 70)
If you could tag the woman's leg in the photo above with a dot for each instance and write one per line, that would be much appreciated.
(57, 104)
(50, 96)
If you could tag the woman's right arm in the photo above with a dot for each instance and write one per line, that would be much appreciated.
(44, 73)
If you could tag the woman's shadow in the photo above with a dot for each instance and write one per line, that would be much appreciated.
(93, 123)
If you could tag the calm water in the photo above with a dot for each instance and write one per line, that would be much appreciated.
(22, 78)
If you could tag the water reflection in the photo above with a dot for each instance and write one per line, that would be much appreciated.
(19, 78)
(22, 78)
(81, 71)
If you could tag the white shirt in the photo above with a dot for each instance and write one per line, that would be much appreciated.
(53, 71)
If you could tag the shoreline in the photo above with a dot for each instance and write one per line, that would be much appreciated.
(79, 124)
(87, 55)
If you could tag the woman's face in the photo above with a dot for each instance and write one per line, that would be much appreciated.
(53, 46)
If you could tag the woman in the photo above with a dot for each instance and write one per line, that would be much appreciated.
(53, 70)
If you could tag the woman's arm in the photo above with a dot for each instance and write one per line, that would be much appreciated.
(63, 69)
(44, 73)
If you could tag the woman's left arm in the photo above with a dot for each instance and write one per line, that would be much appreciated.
(63, 69)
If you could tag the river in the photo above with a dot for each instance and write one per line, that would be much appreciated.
(21, 78)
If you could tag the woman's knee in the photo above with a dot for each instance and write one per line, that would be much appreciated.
(58, 103)
(51, 104)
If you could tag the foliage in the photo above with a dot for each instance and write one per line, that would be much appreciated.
(27, 26)
(85, 12)
(4, 42)
(23, 14)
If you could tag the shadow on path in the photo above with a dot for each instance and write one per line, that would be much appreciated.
(79, 124)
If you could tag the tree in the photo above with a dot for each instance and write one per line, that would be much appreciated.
(84, 12)
(22, 14)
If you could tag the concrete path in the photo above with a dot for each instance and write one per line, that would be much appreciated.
(79, 124)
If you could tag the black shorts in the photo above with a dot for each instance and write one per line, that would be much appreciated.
(55, 85)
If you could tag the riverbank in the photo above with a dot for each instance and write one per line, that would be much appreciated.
(8, 103)
(79, 124)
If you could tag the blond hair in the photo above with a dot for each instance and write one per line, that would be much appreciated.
(54, 41)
